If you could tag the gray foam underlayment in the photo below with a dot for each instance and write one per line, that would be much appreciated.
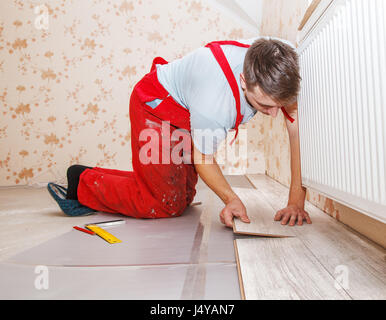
(144, 242)
(133, 283)
(154, 261)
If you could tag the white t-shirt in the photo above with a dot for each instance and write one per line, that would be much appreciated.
(198, 83)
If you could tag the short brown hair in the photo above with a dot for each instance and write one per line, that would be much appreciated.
(274, 67)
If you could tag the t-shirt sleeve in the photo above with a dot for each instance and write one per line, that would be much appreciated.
(207, 134)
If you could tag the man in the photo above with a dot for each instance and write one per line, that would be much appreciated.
(214, 89)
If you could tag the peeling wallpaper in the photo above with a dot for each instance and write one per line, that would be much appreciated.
(67, 71)
(281, 19)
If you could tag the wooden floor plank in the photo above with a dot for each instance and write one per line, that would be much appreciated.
(241, 282)
(336, 246)
(283, 269)
(261, 214)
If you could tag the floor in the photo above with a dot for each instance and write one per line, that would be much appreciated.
(190, 257)
(325, 260)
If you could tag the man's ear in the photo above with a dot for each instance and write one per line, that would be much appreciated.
(292, 108)
(242, 81)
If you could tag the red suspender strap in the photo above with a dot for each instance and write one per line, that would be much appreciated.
(233, 43)
(221, 59)
(158, 60)
(287, 115)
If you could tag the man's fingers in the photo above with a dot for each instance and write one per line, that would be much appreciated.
(245, 219)
(307, 217)
(228, 218)
(278, 215)
(242, 216)
(292, 216)
(285, 218)
(293, 219)
(300, 220)
(222, 217)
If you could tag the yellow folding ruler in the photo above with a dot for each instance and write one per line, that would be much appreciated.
(103, 233)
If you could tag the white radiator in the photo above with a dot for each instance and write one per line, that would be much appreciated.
(342, 104)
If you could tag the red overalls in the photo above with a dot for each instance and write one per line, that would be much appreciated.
(153, 190)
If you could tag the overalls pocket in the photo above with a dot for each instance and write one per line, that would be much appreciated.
(169, 110)
(154, 104)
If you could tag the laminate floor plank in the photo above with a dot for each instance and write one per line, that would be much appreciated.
(283, 269)
(344, 253)
(261, 215)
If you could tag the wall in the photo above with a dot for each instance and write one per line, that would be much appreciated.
(281, 18)
(64, 90)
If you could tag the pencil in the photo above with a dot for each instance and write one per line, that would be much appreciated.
(84, 230)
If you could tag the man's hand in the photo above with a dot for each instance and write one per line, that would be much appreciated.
(210, 172)
(234, 208)
(292, 214)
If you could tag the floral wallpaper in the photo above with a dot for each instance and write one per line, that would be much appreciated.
(67, 71)
(281, 19)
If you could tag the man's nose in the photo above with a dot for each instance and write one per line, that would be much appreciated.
(273, 112)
